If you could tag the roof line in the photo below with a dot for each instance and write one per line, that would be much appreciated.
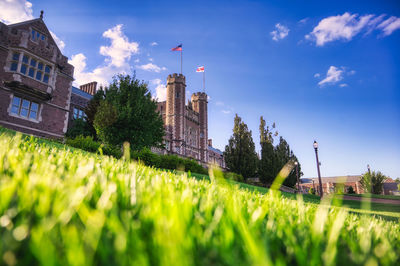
(23, 22)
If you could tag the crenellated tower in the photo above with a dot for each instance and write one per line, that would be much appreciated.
(175, 110)
(199, 102)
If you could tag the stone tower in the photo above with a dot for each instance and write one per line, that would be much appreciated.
(199, 102)
(175, 111)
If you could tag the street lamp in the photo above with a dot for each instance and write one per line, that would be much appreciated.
(319, 173)
(369, 168)
(297, 175)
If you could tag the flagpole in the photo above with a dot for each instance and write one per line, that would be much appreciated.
(204, 80)
(181, 59)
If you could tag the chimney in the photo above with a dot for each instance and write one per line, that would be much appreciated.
(89, 87)
(210, 142)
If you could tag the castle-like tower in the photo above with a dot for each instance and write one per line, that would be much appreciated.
(199, 102)
(175, 111)
(186, 125)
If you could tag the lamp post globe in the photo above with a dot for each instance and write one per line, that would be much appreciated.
(315, 144)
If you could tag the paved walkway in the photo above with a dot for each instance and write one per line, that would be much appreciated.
(387, 201)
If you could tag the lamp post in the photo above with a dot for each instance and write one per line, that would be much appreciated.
(297, 175)
(369, 172)
(319, 173)
(369, 169)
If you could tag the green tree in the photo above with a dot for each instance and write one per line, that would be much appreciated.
(137, 120)
(266, 169)
(350, 190)
(283, 155)
(240, 154)
(372, 182)
(91, 110)
(80, 127)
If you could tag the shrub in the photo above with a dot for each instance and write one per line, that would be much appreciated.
(80, 128)
(88, 144)
(350, 190)
(311, 191)
(234, 176)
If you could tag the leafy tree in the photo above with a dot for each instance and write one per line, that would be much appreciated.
(266, 169)
(372, 182)
(80, 128)
(240, 154)
(137, 120)
(91, 109)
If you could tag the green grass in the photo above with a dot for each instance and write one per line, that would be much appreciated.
(62, 206)
(368, 195)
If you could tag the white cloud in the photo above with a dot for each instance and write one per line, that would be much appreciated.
(121, 49)
(117, 59)
(151, 68)
(317, 75)
(351, 72)
(59, 42)
(303, 21)
(333, 75)
(151, 59)
(160, 90)
(14, 11)
(137, 60)
(153, 44)
(280, 33)
(219, 103)
(343, 85)
(389, 25)
(346, 26)
(226, 111)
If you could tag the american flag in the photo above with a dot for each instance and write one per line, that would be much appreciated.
(178, 48)
(200, 69)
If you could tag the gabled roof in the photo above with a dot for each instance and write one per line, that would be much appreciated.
(43, 29)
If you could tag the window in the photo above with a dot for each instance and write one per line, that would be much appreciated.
(37, 36)
(14, 62)
(31, 67)
(24, 108)
(78, 113)
(177, 94)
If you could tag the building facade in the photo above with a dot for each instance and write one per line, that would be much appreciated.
(186, 125)
(35, 80)
(80, 98)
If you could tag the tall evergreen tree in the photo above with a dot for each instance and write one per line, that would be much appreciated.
(266, 169)
(240, 155)
(283, 155)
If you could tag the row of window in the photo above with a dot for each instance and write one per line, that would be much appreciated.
(29, 109)
(37, 36)
(25, 108)
(78, 113)
(30, 67)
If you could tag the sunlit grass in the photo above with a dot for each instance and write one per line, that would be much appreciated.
(61, 206)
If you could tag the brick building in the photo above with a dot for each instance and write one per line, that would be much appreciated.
(333, 184)
(186, 126)
(35, 80)
(80, 98)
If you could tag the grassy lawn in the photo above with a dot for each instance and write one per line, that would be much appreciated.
(62, 206)
(368, 195)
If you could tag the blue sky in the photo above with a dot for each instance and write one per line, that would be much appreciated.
(328, 71)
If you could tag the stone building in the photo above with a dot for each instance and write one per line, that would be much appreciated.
(35, 80)
(186, 125)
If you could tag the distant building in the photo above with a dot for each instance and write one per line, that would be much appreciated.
(35, 80)
(333, 184)
(186, 126)
(80, 98)
(342, 184)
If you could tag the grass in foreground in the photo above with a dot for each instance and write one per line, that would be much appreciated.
(61, 206)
